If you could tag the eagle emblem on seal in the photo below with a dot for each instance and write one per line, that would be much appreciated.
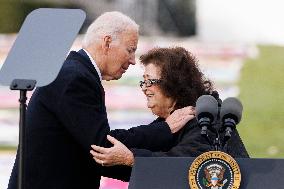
(214, 174)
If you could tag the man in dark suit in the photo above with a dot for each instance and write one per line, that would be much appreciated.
(66, 117)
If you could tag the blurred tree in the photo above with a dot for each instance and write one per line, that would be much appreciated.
(177, 17)
(156, 17)
(13, 12)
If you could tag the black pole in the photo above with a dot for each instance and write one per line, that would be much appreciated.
(217, 142)
(23, 107)
(23, 85)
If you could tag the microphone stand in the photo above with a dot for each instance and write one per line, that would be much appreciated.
(217, 143)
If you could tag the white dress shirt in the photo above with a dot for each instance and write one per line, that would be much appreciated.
(95, 65)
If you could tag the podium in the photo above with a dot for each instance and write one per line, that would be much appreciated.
(172, 173)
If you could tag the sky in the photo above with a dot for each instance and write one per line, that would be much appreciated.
(252, 21)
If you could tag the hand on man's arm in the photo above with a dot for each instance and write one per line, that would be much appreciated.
(119, 154)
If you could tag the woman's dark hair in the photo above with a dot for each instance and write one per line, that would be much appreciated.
(181, 78)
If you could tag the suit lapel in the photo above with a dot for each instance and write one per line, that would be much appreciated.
(87, 62)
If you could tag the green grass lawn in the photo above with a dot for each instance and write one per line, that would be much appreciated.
(262, 95)
(8, 149)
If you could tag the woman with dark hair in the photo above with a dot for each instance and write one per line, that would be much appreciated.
(172, 80)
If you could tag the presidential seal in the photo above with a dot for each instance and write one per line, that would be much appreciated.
(214, 170)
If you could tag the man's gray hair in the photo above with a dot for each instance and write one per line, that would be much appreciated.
(109, 23)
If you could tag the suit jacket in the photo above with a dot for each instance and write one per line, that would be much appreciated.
(63, 119)
(189, 143)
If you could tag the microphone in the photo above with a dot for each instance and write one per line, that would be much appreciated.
(206, 111)
(231, 114)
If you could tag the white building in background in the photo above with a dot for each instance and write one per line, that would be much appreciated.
(249, 21)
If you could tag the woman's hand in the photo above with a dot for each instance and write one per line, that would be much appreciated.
(119, 154)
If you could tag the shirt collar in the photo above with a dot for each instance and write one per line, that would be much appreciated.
(94, 63)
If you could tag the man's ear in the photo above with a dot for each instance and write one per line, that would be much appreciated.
(106, 43)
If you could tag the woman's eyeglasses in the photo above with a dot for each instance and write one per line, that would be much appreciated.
(149, 82)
